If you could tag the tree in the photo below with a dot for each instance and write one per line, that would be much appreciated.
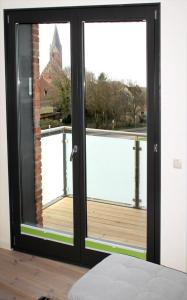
(62, 83)
(97, 95)
(102, 77)
(136, 101)
(112, 104)
(119, 102)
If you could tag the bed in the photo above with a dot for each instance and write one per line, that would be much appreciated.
(120, 277)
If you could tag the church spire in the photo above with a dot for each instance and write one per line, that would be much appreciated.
(56, 40)
(56, 49)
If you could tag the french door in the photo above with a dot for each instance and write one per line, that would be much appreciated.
(83, 131)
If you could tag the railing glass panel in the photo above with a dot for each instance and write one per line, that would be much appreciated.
(143, 174)
(110, 169)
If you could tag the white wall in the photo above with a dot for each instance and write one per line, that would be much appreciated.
(174, 133)
(174, 124)
(4, 194)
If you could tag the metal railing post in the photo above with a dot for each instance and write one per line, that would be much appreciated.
(64, 162)
(137, 174)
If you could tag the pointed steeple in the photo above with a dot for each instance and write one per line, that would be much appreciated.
(56, 40)
(56, 50)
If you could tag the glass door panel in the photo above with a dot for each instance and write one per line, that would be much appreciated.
(116, 136)
(44, 98)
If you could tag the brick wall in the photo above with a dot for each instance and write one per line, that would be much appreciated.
(36, 119)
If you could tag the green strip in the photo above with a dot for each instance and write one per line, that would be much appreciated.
(116, 249)
(46, 235)
(89, 244)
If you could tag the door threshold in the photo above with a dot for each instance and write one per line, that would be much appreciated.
(47, 234)
(108, 247)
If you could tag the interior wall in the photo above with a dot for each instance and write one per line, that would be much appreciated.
(4, 194)
(174, 133)
(173, 127)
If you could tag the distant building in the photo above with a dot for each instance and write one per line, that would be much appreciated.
(53, 71)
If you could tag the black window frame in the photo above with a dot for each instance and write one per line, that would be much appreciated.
(78, 15)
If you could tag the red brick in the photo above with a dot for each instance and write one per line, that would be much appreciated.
(36, 123)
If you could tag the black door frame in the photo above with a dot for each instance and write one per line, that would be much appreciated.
(77, 15)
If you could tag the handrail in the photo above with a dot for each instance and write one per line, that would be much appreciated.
(93, 131)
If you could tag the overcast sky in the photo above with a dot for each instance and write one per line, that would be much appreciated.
(117, 49)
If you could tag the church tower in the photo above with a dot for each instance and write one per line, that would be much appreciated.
(53, 71)
(56, 50)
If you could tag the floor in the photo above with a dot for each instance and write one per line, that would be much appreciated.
(106, 221)
(23, 277)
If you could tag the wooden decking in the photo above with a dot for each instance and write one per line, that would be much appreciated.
(26, 277)
(107, 222)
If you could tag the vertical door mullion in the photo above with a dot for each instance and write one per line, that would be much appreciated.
(78, 131)
(157, 130)
(13, 163)
(151, 129)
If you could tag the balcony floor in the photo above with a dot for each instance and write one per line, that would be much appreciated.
(108, 222)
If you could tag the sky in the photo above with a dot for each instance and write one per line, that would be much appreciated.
(117, 49)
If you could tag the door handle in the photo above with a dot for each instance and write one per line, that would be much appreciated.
(74, 150)
(30, 86)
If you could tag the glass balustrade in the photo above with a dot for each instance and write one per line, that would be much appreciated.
(103, 177)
